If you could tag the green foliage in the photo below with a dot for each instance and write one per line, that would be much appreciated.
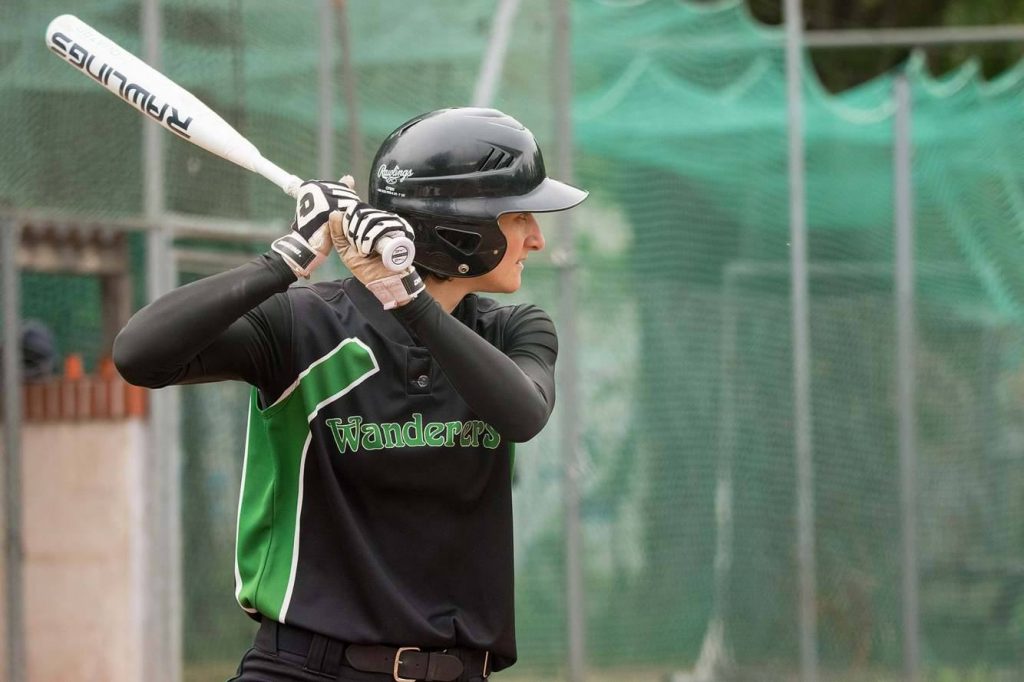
(841, 69)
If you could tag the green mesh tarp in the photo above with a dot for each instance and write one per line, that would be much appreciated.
(685, 356)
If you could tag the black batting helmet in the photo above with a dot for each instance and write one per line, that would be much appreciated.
(451, 173)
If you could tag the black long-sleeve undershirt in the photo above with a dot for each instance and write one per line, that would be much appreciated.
(525, 375)
(205, 331)
(237, 325)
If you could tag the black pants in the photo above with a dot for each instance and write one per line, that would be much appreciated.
(265, 666)
(261, 664)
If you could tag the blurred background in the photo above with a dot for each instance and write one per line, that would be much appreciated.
(789, 443)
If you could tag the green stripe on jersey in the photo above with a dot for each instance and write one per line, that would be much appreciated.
(270, 503)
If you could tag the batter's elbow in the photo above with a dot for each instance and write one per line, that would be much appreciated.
(129, 359)
(527, 425)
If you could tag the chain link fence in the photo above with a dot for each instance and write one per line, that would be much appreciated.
(685, 367)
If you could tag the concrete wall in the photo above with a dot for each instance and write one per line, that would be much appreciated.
(82, 520)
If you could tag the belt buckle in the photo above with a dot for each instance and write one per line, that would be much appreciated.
(398, 661)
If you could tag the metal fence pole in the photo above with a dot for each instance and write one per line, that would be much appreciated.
(913, 37)
(161, 575)
(13, 560)
(325, 69)
(171, 489)
(325, 156)
(569, 393)
(348, 79)
(714, 660)
(494, 59)
(801, 346)
(905, 371)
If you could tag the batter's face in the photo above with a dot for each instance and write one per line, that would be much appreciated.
(523, 235)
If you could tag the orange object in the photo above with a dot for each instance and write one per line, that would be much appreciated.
(74, 368)
(106, 369)
(77, 396)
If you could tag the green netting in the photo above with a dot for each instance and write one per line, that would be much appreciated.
(684, 316)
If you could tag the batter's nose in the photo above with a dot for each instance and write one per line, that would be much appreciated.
(534, 237)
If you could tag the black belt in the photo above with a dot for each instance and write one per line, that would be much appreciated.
(404, 664)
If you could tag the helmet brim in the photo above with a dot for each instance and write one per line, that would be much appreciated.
(547, 197)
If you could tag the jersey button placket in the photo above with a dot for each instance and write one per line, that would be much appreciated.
(417, 371)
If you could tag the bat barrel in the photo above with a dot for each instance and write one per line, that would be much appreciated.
(154, 95)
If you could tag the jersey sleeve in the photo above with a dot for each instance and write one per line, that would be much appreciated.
(512, 387)
(233, 325)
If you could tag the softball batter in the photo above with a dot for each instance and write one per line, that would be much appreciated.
(375, 520)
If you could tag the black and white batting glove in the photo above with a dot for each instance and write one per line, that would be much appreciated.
(309, 242)
(366, 225)
(392, 289)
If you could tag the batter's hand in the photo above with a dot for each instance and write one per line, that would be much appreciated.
(306, 246)
(365, 225)
(392, 289)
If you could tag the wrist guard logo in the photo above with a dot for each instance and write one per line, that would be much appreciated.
(353, 434)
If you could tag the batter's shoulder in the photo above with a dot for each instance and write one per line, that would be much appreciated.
(328, 291)
(488, 307)
(501, 323)
(318, 303)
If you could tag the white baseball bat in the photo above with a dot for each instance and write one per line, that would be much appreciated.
(175, 108)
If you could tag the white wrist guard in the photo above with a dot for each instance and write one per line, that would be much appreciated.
(398, 289)
(298, 253)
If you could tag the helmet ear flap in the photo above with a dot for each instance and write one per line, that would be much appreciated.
(453, 249)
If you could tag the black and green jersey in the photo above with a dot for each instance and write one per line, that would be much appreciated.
(375, 504)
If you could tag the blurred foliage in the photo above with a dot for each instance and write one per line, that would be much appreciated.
(840, 69)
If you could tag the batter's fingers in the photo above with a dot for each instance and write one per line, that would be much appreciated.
(336, 223)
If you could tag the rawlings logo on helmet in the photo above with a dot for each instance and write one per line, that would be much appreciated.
(392, 175)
